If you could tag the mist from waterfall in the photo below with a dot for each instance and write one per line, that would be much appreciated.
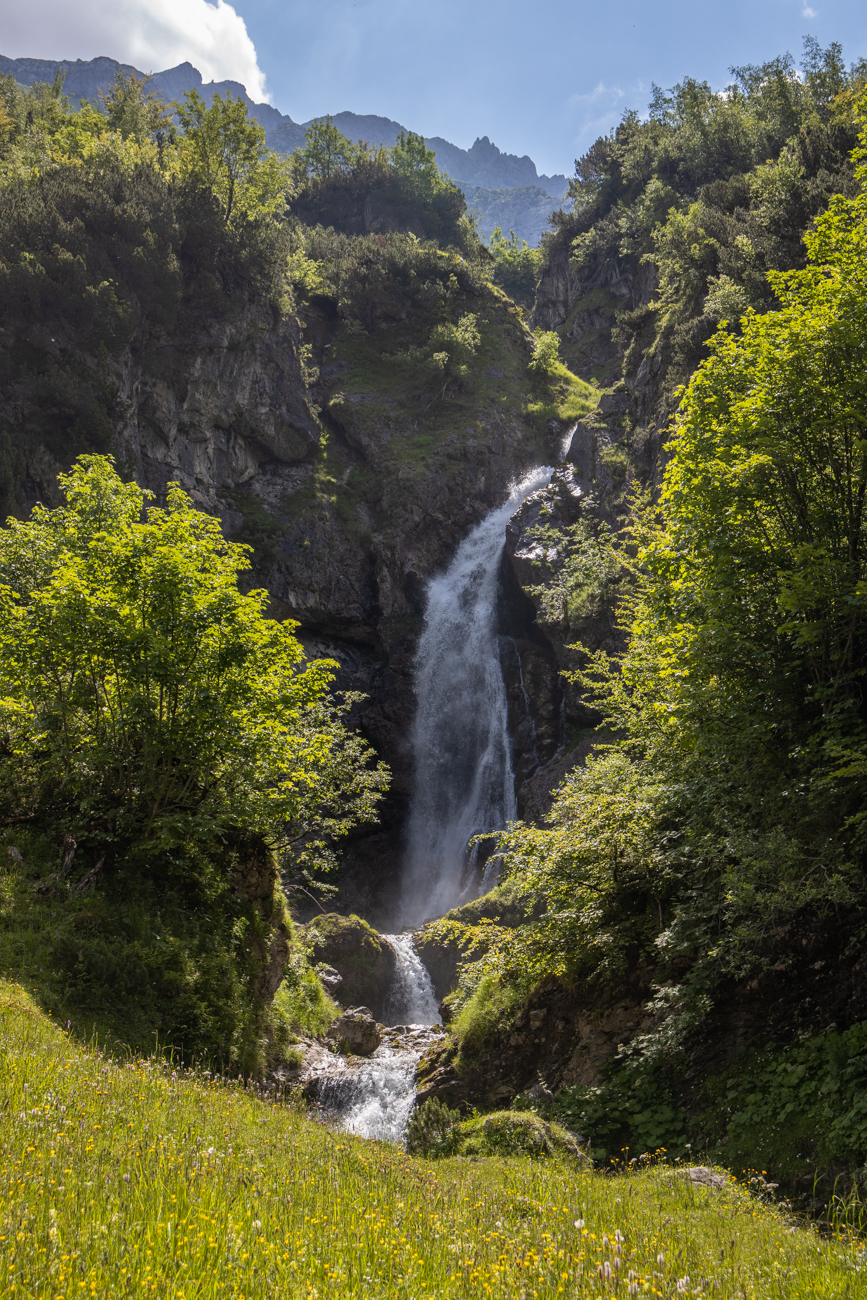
(463, 778)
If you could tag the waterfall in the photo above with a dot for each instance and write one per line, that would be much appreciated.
(464, 783)
(411, 1000)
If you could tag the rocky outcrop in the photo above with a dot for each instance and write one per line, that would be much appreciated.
(356, 1033)
(525, 209)
(227, 406)
(364, 960)
(217, 410)
(563, 1034)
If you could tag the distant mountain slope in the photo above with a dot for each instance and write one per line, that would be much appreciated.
(483, 167)
(524, 209)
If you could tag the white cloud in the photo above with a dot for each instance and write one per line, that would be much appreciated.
(807, 12)
(150, 34)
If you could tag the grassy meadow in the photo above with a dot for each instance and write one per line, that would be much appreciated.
(126, 1178)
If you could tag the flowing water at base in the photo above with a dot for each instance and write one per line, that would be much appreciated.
(464, 785)
(374, 1098)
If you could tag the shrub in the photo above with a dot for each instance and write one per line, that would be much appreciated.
(546, 352)
(430, 1128)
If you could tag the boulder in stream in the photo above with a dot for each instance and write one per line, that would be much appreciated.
(365, 962)
(356, 1032)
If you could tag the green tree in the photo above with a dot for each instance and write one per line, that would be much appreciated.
(326, 150)
(546, 352)
(145, 703)
(411, 158)
(223, 151)
(516, 266)
(131, 111)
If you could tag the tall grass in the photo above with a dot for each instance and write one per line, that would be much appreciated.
(124, 1179)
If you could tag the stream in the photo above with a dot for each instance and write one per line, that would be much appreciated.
(464, 786)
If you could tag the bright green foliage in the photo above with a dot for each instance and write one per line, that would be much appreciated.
(516, 266)
(754, 622)
(326, 150)
(546, 352)
(734, 798)
(411, 159)
(145, 701)
(741, 693)
(134, 113)
(453, 346)
(713, 191)
(223, 151)
(301, 1003)
(132, 1178)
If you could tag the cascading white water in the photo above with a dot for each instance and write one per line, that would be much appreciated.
(464, 783)
(374, 1100)
(411, 1000)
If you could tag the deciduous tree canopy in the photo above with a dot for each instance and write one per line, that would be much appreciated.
(148, 703)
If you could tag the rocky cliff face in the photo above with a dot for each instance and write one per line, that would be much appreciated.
(352, 493)
(524, 209)
(217, 411)
(600, 308)
(564, 1034)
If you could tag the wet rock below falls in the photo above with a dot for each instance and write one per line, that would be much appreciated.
(356, 1032)
(364, 960)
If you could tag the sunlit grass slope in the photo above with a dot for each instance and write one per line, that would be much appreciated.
(120, 1179)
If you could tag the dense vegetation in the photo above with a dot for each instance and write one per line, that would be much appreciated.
(129, 1176)
(695, 204)
(175, 745)
(358, 190)
(721, 827)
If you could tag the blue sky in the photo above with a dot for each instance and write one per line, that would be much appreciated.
(543, 78)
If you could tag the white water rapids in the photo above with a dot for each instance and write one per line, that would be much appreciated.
(464, 785)
(374, 1098)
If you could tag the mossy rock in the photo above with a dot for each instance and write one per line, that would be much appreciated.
(441, 944)
(364, 960)
(515, 1133)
